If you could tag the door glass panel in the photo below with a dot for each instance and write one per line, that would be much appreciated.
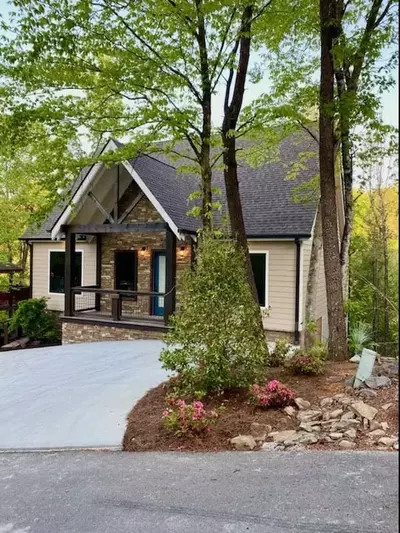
(161, 279)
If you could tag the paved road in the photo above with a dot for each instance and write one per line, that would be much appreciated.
(114, 492)
(74, 395)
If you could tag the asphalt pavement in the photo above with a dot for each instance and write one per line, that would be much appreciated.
(230, 492)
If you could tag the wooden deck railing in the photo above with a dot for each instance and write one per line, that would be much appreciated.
(117, 304)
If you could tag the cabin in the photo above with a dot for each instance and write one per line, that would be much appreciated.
(110, 259)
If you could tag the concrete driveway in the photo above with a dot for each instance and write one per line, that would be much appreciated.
(74, 395)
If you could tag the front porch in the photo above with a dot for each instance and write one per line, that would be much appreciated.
(136, 267)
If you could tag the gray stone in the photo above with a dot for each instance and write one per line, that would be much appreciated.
(351, 433)
(243, 442)
(336, 436)
(326, 416)
(385, 426)
(302, 404)
(355, 359)
(301, 437)
(378, 382)
(387, 441)
(336, 413)
(376, 433)
(345, 424)
(270, 446)
(327, 439)
(349, 415)
(387, 368)
(281, 436)
(259, 431)
(364, 410)
(396, 445)
(329, 422)
(347, 444)
(367, 394)
(289, 410)
(387, 406)
(326, 402)
(308, 416)
(374, 424)
(346, 400)
(306, 426)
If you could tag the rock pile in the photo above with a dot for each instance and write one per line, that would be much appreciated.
(339, 419)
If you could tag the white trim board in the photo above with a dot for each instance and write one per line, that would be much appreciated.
(87, 182)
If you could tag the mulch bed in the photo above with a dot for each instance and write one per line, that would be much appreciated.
(145, 431)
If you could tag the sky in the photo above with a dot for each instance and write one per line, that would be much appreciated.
(390, 103)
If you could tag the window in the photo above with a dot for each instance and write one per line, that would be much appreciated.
(57, 270)
(259, 264)
(126, 270)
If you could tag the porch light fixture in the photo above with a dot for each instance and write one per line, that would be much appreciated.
(182, 251)
(143, 251)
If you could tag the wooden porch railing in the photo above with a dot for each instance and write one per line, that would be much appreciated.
(116, 304)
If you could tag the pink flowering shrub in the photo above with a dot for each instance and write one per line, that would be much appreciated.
(183, 418)
(272, 394)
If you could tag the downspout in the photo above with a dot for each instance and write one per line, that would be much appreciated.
(297, 295)
(30, 244)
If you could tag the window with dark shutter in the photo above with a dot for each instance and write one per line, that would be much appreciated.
(126, 270)
(259, 264)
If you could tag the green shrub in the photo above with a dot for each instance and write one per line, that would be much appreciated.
(278, 356)
(216, 342)
(310, 362)
(35, 320)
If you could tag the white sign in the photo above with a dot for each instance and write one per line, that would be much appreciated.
(365, 367)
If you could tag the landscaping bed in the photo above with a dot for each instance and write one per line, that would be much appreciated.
(145, 428)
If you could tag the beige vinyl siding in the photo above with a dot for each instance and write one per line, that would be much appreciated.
(281, 283)
(40, 282)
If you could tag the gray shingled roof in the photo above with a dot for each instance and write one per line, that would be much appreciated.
(267, 195)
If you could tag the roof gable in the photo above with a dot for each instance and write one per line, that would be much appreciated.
(267, 195)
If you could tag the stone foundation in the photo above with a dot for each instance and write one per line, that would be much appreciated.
(75, 333)
(273, 336)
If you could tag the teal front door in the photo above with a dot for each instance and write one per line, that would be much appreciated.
(158, 282)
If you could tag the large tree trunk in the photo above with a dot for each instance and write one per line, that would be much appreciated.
(347, 166)
(204, 160)
(337, 344)
(235, 205)
(231, 115)
(312, 279)
(206, 172)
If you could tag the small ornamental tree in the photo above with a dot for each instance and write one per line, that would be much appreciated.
(215, 342)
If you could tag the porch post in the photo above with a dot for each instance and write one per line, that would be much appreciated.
(69, 271)
(170, 274)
